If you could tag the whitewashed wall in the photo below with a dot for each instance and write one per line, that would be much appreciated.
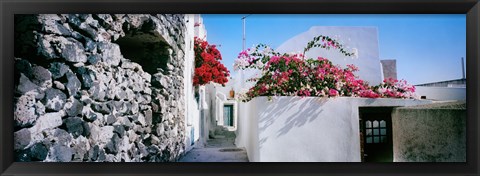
(193, 116)
(190, 105)
(305, 129)
(442, 93)
(362, 39)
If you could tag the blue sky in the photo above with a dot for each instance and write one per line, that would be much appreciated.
(427, 48)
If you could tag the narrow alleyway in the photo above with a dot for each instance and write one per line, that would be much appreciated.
(219, 149)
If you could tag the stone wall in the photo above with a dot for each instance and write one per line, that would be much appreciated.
(430, 133)
(99, 88)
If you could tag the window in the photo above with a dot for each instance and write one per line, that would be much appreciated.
(376, 131)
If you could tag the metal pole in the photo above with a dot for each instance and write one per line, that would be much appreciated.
(243, 20)
(463, 69)
(244, 39)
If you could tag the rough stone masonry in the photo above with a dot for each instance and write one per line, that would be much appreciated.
(99, 88)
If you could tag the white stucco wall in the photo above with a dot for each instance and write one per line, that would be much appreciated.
(442, 93)
(362, 39)
(290, 129)
(193, 109)
(200, 30)
(191, 113)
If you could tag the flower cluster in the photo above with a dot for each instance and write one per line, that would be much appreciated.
(392, 88)
(207, 64)
(293, 75)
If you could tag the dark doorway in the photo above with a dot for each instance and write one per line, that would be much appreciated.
(228, 115)
(376, 134)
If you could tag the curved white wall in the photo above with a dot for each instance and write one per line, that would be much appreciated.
(363, 39)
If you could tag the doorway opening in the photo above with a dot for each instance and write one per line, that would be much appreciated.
(376, 134)
(228, 115)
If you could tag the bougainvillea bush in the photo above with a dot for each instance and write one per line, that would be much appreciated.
(294, 75)
(207, 64)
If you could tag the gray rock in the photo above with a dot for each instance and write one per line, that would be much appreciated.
(80, 146)
(111, 119)
(160, 129)
(73, 51)
(58, 85)
(93, 59)
(98, 91)
(101, 156)
(127, 64)
(25, 85)
(86, 129)
(54, 99)
(61, 153)
(58, 69)
(21, 139)
(126, 123)
(40, 75)
(130, 94)
(23, 66)
(146, 77)
(119, 129)
(112, 145)
(120, 94)
(159, 80)
(148, 117)
(101, 135)
(38, 152)
(141, 119)
(51, 24)
(39, 108)
(46, 46)
(62, 137)
(73, 84)
(94, 152)
(90, 116)
(74, 108)
(87, 77)
(142, 148)
(22, 156)
(47, 121)
(24, 113)
(74, 126)
(110, 53)
(120, 106)
(134, 107)
(90, 46)
(82, 27)
(101, 108)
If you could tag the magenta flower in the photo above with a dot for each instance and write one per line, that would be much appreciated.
(333, 92)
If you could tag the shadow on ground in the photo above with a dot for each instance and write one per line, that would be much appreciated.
(220, 148)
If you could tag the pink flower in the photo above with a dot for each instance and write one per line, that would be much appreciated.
(333, 92)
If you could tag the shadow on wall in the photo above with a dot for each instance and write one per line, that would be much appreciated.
(295, 119)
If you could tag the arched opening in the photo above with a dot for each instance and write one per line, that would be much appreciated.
(146, 47)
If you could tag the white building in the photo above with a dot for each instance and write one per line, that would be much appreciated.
(313, 128)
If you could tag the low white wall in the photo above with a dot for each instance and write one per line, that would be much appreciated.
(442, 93)
(310, 129)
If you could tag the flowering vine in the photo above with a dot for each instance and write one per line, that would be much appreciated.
(293, 75)
(207, 64)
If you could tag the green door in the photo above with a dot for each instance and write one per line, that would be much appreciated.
(228, 115)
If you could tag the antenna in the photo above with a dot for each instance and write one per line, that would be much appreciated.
(463, 68)
(243, 20)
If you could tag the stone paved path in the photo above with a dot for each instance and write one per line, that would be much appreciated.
(219, 149)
